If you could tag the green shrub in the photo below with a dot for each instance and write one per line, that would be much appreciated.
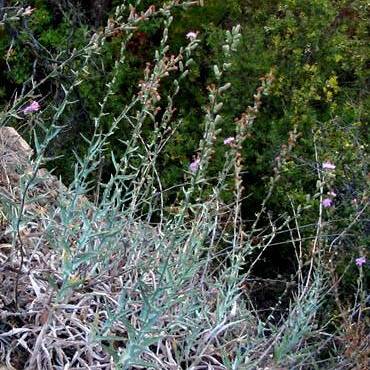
(171, 248)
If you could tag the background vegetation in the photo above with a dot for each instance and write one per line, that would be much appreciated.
(103, 78)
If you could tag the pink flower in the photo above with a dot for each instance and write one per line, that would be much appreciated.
(28, 11)
(332, 194)
(33, 107)
(360, 261)
(328, 166)
(191, 35)
(327, 203)
(194, 165)
(229, 141)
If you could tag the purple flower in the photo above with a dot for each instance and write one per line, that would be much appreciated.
(194, 165)
(229, 140)
(360, 261)
(191, 35)
(34, 106)
(328, 166)
(327, 202)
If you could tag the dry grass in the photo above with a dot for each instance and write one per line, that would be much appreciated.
(51, 318)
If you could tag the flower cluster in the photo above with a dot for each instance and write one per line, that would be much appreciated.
(360, 261)
(328, 166)
(327, 202)
(34, 106)
(191, 35)
(194, 165)
(28, 11)
(229, 141)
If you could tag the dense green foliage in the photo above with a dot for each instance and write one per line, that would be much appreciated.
(318, 52)
(315, 111)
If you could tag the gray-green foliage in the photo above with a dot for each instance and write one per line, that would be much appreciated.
(121, 281)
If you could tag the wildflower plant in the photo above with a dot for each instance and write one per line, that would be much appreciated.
(99, 275)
